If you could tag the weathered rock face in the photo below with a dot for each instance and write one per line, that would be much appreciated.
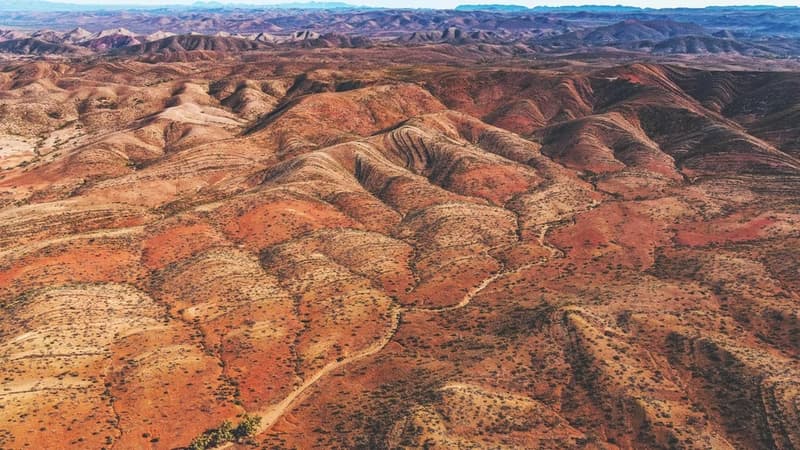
(398, 256)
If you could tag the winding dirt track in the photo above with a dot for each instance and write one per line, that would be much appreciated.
(271, 415)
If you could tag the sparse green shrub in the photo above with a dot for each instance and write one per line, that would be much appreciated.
(201, 442)
(223, 434)
(226, 432)
(213, 437)
(247, 427)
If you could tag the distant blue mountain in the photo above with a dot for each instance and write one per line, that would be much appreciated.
(35, 5)
(590, 8)
(520, 8)
(43, 6)
(292, 5)
(492, 8)
(610, 8)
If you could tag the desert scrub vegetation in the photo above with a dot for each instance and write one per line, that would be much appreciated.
(226, 432)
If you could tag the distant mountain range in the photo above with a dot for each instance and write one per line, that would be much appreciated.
(45, 6)
(609, 8)
(509, 29)
(48, 6)
(388, 29)
(519, 8)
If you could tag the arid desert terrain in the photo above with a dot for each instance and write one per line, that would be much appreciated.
(408, 234)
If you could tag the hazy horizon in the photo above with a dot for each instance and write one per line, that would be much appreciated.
(447, 4)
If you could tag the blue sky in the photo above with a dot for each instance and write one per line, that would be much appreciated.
(453, 3)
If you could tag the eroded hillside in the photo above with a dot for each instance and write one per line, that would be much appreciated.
(382, 256)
